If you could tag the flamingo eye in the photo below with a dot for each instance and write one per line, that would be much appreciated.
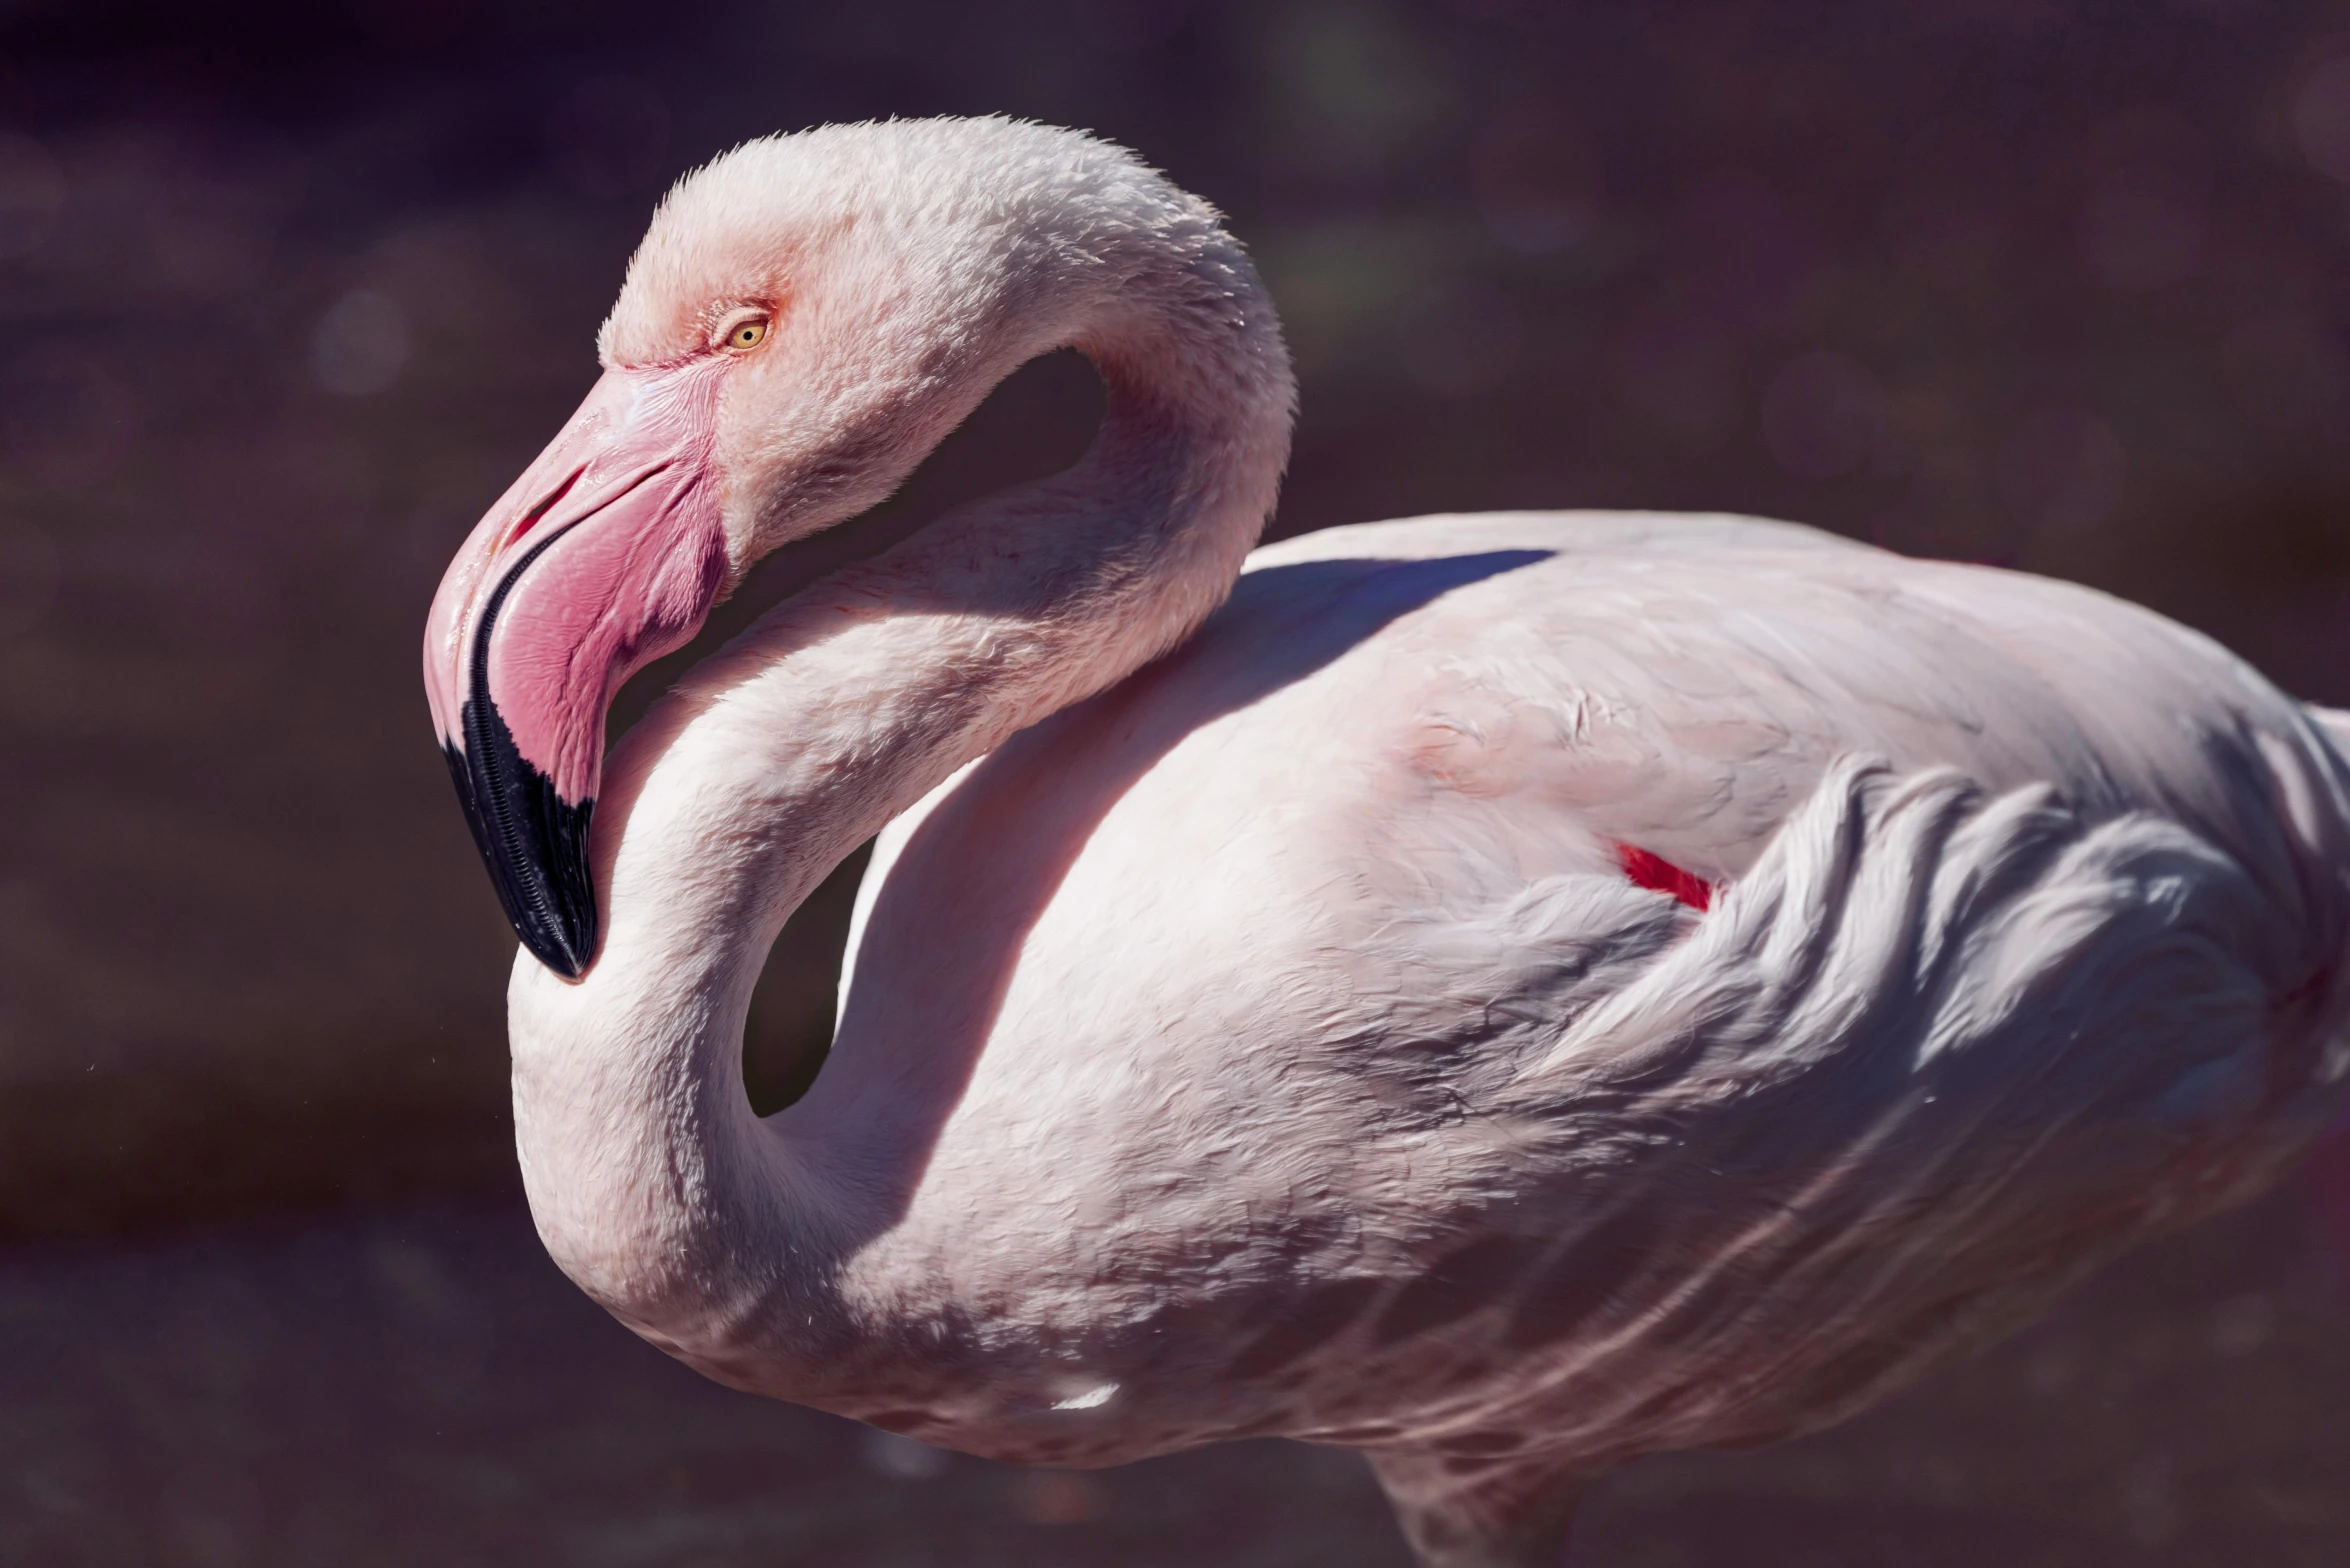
(747, 333)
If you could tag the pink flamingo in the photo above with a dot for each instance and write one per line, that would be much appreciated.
(1504, 993)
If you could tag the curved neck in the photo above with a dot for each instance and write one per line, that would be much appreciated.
(653, 1184)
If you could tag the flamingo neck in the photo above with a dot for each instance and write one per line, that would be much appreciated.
(653, 1184)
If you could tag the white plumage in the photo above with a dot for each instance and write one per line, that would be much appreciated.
(1270, 1039)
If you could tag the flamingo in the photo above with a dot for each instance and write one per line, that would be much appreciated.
(1503, 993)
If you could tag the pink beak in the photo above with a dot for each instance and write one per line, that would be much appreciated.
(607, 553)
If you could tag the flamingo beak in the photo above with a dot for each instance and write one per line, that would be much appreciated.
(607, 553)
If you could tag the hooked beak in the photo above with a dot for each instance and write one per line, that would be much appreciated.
(606, 554)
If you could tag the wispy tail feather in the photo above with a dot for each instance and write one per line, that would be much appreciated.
(2334, 723)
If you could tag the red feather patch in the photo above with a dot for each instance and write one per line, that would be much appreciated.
(1660, 875)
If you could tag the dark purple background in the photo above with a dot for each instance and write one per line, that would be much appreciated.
(288, 293)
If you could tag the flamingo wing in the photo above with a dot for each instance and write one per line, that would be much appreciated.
(1297, 993)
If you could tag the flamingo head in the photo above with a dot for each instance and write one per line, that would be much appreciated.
(806, 317)
(607, 553)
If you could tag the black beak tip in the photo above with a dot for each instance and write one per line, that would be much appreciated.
(533, 842)
(568, 953)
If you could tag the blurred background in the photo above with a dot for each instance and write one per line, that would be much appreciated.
(290, 291)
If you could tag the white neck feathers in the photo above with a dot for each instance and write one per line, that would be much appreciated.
(653, 1184)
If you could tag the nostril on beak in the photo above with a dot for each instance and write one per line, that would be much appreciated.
(546, 504)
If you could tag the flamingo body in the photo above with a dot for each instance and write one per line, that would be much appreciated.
(1252, 975)
(1505, 993)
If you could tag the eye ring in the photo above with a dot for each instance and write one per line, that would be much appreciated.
(744, 334)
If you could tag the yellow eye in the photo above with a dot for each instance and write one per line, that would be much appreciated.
(747, 334)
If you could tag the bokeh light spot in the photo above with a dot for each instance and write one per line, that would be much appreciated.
(899, 1457)
(1059, 1497)
(32, 195)
(1357, 88)
(2321, 118)
(360, 345)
